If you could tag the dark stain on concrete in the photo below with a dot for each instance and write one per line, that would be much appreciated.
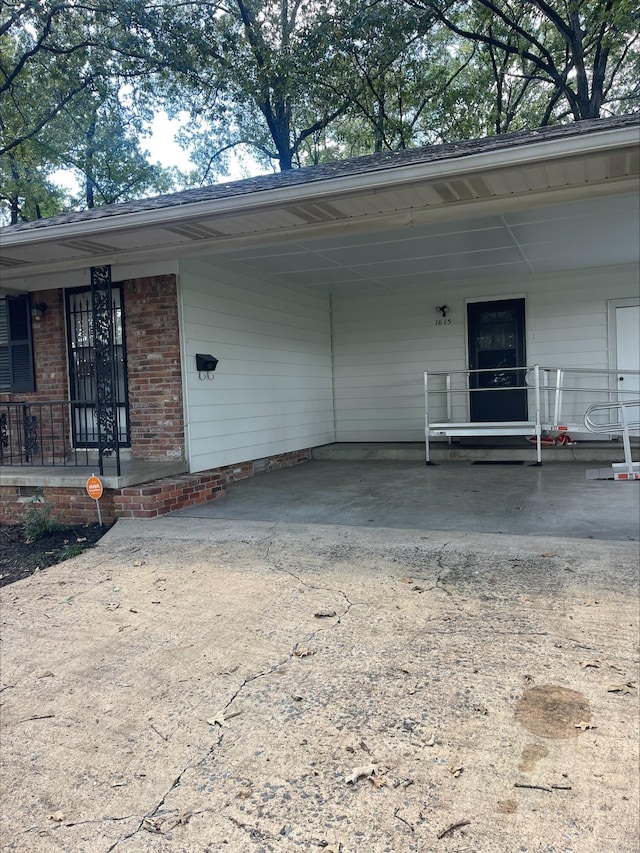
(552, 711)
(531, 754)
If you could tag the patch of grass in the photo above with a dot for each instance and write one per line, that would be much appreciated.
(69, 551)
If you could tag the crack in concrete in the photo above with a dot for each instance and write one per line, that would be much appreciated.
(249, 680)
(176, 782)
(349, 604)
(441, 579)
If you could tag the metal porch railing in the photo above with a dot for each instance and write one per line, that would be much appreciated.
(559, 400)
(622, 418)
(39, 434)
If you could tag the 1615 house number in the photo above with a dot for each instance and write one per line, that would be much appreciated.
(445, 321)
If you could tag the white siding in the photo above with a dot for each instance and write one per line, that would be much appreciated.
(272, 391)
(383, 341)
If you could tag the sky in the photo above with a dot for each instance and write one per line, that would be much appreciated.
(163, 149)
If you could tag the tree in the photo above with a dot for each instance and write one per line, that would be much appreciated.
(64, 68)
(271, 75)
(577, 51)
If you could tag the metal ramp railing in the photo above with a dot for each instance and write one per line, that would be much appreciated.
(558, 398)
(628, 419)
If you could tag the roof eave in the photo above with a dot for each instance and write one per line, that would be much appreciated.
(527, 154)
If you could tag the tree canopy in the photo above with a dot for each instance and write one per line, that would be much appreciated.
(290, 82)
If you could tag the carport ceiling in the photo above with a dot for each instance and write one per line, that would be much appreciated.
(593, 233)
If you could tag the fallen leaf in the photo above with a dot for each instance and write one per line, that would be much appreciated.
(456, 770)
(244, 793)
(377, 781)
(57, 816)
(219, 720)
(303, 652)
(360, 773)
(431, 741)
(406, 580)
(325, 614)
(482, 709)
(137, 563)
(629, 688)
(46, 674)
(118, 784)
(81, 539)
(113, 605)
(153, 824)
(591, 663)
(417, 588)
(584, 726)
(528, 679)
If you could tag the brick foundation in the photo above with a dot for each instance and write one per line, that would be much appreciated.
(148, 500)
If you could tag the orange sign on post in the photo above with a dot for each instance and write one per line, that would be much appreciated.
(94, 490)
(94, 487)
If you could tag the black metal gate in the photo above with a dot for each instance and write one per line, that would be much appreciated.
(98, 370)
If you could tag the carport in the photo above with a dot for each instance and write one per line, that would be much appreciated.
(482, 497)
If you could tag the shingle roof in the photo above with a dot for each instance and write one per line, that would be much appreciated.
(340, 169)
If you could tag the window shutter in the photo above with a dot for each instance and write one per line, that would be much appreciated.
(5, 368)
(20, 344)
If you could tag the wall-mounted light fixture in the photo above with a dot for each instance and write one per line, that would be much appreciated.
(443, 309)
(38, 311)
(206, 365)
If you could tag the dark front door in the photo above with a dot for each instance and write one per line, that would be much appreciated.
(497, 344)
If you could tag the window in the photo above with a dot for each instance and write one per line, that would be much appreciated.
(16, 350)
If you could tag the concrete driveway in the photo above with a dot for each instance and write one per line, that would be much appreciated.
(200, 685)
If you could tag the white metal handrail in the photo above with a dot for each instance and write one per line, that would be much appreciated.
(449, 427)
(611, 427)
(559, 401)
(622, 426)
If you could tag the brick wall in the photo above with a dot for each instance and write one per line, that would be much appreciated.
(154, 373)
(50, 359)
(72, 504)
(148, 500)
(155, 376)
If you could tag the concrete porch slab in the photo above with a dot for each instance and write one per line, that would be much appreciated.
(475, 448)
(132, 473)
(552, 500)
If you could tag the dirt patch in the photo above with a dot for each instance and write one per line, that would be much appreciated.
(552, 711)
(20, 558)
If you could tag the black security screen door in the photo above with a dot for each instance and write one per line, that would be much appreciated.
(82, 367)
(497, 344)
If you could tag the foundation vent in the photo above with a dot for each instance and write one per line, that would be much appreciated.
(259, 466)
(29, 492)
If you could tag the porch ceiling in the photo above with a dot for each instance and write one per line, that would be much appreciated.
(494, 214)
